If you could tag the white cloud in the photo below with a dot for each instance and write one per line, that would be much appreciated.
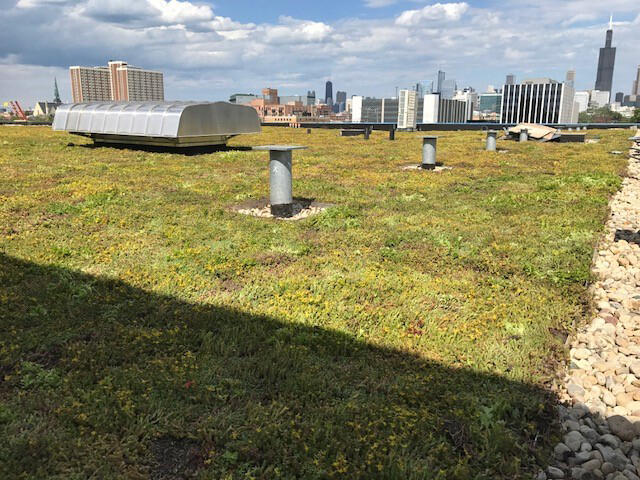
(291, 30)
(147, 12)
(511, 53)
(438, 11)
(174, 11)
(206, 56)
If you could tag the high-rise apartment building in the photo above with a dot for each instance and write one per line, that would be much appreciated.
(539, 100)
(606, 63)
(407, 109)
(136, 84)
(116, 82)
(90, 84)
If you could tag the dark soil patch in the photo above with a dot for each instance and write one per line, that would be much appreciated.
(46, 358)
(176, 458)
(229, 285)
(274, 259)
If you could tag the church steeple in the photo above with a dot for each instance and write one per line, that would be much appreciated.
(56, 93)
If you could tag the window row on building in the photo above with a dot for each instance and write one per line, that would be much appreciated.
(541, 101)
(410, 109)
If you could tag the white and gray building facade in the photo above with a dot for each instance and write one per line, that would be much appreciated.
(431, 108)
(543, 101)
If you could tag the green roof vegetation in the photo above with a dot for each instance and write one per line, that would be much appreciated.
(411, 331)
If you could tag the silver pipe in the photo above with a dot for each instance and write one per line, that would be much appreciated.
(280, 183)
(429, 153)
(491, 140)
(524, 135)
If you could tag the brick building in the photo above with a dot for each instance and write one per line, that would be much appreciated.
(116, 82)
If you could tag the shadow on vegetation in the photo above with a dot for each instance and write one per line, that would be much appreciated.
(628, 235)
(101, 379)
(186, 151)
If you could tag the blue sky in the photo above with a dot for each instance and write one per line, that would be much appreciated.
(322, 10)
(209, 50)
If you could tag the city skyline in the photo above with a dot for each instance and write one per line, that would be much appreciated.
(212, 52)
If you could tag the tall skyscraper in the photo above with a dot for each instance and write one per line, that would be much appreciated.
(341, 101)
(116, 82)
(571, 78)
(511, 79)
(328, 93)
(635, 90)
(441, 77)
(311, 97)
(606, 62)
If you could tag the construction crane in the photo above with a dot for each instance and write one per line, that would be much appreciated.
(17, 110)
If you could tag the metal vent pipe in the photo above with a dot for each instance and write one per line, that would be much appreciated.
(280, 178)
(492, 136)
(429, 153)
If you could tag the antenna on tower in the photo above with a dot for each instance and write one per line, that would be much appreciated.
(611, 22)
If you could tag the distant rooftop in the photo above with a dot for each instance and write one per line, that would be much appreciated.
(539, 80)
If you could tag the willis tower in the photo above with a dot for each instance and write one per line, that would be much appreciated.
(606, 62)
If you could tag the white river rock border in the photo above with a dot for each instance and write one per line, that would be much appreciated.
(601, 426)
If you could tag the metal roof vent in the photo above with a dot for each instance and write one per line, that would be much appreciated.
(173, 124)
